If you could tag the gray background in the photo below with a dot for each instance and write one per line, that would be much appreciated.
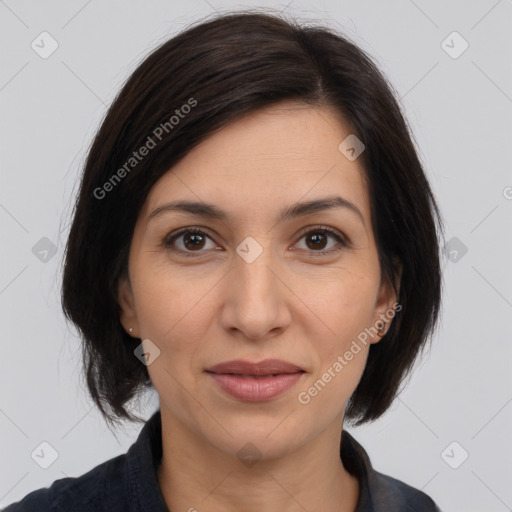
(460, 112)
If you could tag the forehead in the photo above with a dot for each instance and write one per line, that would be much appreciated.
(271, 157)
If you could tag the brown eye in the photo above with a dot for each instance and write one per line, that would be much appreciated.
(188, 241)
(193, 241)
(316, 241)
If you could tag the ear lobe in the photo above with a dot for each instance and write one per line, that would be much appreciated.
(128, 314)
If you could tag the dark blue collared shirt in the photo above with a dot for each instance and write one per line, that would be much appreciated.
(129, 483)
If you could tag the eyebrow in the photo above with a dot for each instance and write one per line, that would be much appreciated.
(295, 210)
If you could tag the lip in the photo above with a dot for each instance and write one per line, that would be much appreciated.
(255, 382)
(265, 367)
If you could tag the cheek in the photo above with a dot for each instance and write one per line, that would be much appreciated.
(345, 309)
(171, 303)
(343, 302)
(169, 313)
(339, 355)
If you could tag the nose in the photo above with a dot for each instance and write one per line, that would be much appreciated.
(256, 303)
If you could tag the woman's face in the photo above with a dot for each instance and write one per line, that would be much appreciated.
(255, 283)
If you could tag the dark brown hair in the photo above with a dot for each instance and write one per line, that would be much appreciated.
(224, 68)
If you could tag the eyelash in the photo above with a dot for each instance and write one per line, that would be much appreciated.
(169, 240)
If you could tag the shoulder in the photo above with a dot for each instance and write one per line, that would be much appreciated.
(380, 492)
(403, 497)
(116, 485)
(80, 494)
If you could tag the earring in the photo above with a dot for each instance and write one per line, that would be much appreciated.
(130, 329)
(382, 328)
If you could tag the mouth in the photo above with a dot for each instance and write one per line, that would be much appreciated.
(255, 382)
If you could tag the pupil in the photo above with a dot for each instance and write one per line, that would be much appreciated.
(193, 237)
(317, 237)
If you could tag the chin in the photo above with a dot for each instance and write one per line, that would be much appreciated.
(269, 437)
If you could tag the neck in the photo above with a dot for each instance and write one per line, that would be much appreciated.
(194, 475)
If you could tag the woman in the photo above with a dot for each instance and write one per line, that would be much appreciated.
(256, 239)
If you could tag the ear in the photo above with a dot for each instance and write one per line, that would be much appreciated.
(387, 302)
(128, 314)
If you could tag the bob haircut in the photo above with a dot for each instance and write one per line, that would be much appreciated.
(190, 87)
